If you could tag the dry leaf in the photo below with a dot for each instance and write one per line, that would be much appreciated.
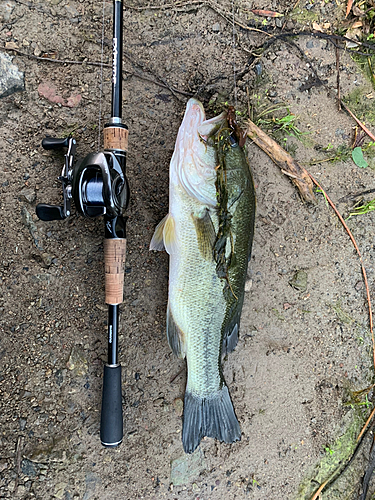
(11, 45)
(349, 7)
(317, 27)
(357, 24)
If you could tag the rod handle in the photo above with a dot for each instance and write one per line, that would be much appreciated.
(111, 428)
(114, 262)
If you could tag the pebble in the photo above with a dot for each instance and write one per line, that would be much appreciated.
(6, 9)
(29, 223)
(28, 195)
(91, 480)
(29, 469)
(216, 27)
(11, 78)
(279, 22)
(299, 281)
(77, 361)
(60, 490)
(187, 467)
(22, 423)
(178, 405)
(59, 377)
(248, 285)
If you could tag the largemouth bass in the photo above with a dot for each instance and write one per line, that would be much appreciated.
(208, 234)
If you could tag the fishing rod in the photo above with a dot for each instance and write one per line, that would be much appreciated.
(99, 187)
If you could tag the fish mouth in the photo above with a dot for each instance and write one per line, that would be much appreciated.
(195, 120)
(194, 115)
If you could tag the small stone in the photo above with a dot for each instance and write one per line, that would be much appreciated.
(248, 285)
(178, 405)
(309, 44)
(6, 9)
(258, 68)
(11, 79)
(60, 490)
(47, 259)
(22, 423)
(216, 27)
(299, 281)
(187, 467)
(77, 361)
(28, 195)
(29, 469)
(72, 11)
(339, 132)
(91, 481)
(29, 223)
(279, 22)
(358, 286)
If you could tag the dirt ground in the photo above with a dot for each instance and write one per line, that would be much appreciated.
(304, 343)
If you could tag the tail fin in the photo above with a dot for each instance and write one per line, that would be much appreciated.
(212, 417)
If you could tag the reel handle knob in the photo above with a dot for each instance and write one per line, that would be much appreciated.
(50, 212)
(54, 143)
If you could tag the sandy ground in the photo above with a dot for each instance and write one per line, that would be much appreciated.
(304, 344)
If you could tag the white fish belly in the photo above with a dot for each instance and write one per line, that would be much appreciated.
(196, 298)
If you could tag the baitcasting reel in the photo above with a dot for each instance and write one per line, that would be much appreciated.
(97, 184)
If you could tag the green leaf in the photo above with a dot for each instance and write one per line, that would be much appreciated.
(357, 155)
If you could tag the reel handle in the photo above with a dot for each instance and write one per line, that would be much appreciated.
(50, 212)
(54, 143)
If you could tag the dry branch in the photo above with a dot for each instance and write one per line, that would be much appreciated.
(287, 164)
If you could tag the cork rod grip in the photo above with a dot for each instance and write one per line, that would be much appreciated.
(116, 138)
(114, 261)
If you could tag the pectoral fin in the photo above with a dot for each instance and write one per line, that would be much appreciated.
(175, 336)
(206, 234)
(165, 235)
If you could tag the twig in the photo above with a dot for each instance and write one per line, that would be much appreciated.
(366, 424)
(105, 65)
(300, 176)
(360, 259)
(370, 134)
(19, 447)
(328, 481)
(176, 5)
(338, 78)
(319, 490)
(356, 195)
(227, 16)
(369, 472)
(177, 374)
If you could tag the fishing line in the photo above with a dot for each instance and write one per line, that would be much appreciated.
(234, 57)
(101, 79)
